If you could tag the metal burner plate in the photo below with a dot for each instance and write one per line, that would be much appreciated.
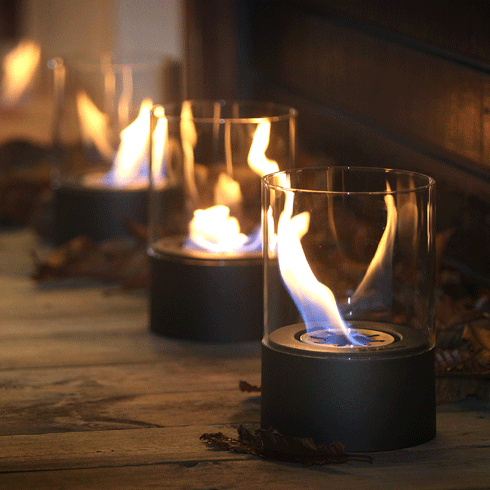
(385, 340)
(377, 338)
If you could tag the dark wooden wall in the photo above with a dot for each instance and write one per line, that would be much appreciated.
(375, 83)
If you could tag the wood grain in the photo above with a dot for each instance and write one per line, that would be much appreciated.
(89, 398)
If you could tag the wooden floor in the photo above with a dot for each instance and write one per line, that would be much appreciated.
(89, 399)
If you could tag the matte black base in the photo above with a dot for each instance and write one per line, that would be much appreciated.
(368, 403)
(206, 300)
(95, 212)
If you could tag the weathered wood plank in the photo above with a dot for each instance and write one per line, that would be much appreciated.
(441, 463)
(94, 348)
(29, 311)
(418, 95)
(179, 389)
(246, 473)
(456, 26)
(126, 411)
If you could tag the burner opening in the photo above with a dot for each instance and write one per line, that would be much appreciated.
(328, 338)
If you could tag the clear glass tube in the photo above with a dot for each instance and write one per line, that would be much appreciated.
(102, 119)
(205, 240)
(209, 156)
(349, 260)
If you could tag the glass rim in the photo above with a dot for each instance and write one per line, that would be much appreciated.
(284, 112)
(430, 181)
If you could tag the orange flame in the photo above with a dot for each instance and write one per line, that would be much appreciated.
(313, 298)
(203, 230)
(315, 301)
(19, 68)
(189, 141)
(131, 161)
(160, 143)
(94, 126)
(213, 229)
(227, 191)
(257, 160)
(380, 267)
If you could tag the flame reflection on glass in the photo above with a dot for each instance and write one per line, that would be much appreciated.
(19, 68)
(314, 300)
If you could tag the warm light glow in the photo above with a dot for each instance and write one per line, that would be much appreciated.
(130, 166)
(130, 161)
(160, 143)
(227, 191)
(214, 230)
(376, 286)
(94, 126)
(189, 141)
(315, 301)
(19, 68)
(257, 160)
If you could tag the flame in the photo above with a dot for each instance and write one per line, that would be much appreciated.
(160, 142)
(376, 285)
(314, 300)
(227, 191)
(94, 126)
(257, 160)
(189, 141)
(204, 233)
(19, 67)
(214, 230)
(131, 161)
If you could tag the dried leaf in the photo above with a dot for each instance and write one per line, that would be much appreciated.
(454, 389)
(478, 337)
(245, 386)
(271, 445)
(120, 261)
(448, 360)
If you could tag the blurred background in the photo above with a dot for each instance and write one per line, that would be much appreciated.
(375, 84)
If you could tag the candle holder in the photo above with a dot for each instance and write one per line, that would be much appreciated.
(349, 328)
(100, 142)
(205, 242)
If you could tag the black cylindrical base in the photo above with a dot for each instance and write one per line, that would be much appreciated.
(96, 212)
(206, 300)
(369, 403)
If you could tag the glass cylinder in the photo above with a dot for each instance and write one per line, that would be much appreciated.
(349, 290)
(100, 142)
(205, 214)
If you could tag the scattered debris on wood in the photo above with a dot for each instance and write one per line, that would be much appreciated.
(274, 446)
(462, 319)
(247, 387)
(119, 261)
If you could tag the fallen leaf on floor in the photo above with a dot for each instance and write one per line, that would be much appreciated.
(274, 446)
